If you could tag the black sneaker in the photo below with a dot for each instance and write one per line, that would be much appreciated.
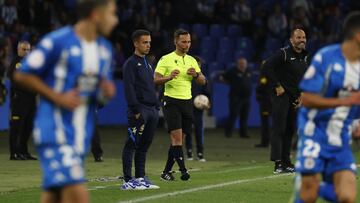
(278, 168)
(201, 157)
(29, 157)
(185, 176)
(189, 155)
(167, 176)
(98, 159)
(17, 157)
(288, 168)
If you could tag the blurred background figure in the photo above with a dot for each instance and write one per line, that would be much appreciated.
(239, 80)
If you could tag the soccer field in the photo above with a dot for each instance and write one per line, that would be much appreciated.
(234, 172)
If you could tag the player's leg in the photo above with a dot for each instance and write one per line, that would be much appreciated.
(308, 189)
(345, 186)
(280, 111)
(244, 115)
(16, 128)
(151, 118)
(50, 197)
(199, 133)
(76, 193)
(327, 191)
(28, 129)
(189, 146)
(96, 149)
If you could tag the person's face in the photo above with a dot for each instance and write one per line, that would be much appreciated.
(241, 64)
(142, 45)
(106, 18)
(298, 40)
(23, 49)
(183, 43)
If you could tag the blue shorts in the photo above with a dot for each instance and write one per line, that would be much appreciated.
(313, 157)
(61, 165)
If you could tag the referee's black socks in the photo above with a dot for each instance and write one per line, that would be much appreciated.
(179, 157)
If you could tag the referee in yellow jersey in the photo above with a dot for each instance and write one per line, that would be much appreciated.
(177, 70)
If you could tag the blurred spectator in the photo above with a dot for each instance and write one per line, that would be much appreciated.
(152, 21)
(167, 17)
(241, 12)
(221, 11)
(300, 19)
(9, 12)
(277, 23)
(205, 10)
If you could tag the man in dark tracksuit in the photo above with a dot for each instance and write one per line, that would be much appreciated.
(263, 97)
(22, 106)
(198, 122)
(285, 70)
(239, 79)
(143, 108)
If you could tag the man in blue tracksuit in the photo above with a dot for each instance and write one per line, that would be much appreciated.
(143, 107)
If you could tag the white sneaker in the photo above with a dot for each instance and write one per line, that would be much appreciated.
(132, 184)
(202, 160)
(189, 159)
(146, 184)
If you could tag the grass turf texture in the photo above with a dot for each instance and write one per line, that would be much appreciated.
(235, 171)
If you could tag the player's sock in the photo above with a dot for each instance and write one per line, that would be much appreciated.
(179, 157)
(170, 161)
(327, 192)
(298, 200)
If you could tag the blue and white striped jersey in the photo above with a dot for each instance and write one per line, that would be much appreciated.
(331, 76)
(64, 61)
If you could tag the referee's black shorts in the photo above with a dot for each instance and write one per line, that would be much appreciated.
(178, 114)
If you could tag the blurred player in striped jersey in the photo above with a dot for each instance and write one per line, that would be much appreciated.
(330, 95)
(70, 69)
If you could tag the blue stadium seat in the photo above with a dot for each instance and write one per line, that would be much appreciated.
(242, 54)
(233, 31)
(184, 26)
(199, 29)
(207, 55)
(272, 44)
(214, 66)
(208, 43)
(226, 43)
(216, 31)
(224, 56)
(245, 44)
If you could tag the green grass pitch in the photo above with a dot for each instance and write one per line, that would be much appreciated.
(235, 171)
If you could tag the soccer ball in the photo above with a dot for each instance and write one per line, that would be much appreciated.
(201, 102)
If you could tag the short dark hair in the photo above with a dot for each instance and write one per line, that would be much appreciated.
(85, 7)
(351, 25)
(139, 33)
(298, 27)
(179, 32)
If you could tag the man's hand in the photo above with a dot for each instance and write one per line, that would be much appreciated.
(137, 116)
(68, 100)
(279, 90)
(108, 88)
(191, 71)
(297, 103)
(174, 74)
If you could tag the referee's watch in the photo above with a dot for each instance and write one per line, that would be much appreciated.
(197, 75)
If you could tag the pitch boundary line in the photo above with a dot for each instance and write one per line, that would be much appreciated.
(208, 187)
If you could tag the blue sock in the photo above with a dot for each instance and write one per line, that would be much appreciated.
(327, 192)
(298, 200)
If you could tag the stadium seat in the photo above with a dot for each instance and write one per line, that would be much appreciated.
(214, 66)
(207, 55)
(208, 43)
(199, 29)
(216, 31)
(244, 43)
(184, 26)
(233, 31)
(226, 43)
(272, 44)
(224, 56)
(242, 53)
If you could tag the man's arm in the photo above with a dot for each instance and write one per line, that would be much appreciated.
(160, 79)
(129, 87)
(198, 76)
(312, 100)
(269, 66)
(69, 100)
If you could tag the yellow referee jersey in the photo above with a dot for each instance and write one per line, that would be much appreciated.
(180, 87)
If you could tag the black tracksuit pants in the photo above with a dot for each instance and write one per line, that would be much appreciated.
(238, 106)
(199, 132)
(284, 126)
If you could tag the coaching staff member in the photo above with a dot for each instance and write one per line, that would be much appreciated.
(285, 69)
(177, 70)
(143, 109)
(22, 107)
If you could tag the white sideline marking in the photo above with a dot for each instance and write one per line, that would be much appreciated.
(238, 169)
(202, 188)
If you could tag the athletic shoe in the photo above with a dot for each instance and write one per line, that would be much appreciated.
(288, 168)
(98, 159)
(132, 184)
(167, 176)
(17, 157)
(29, 157)
(147, 183)
(189, 155)
(201, 157)
(278, 168)
(185, 176)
